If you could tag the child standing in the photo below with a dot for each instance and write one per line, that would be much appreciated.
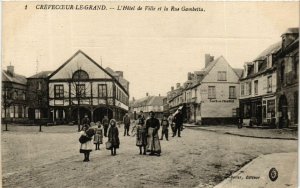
(85, 147)
(141, 136)
(113, 136)
(98, 138)
(165, 128)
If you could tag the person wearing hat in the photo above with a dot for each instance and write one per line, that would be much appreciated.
(165, 128)
(178, 120)
(126, 121)
(105, 123)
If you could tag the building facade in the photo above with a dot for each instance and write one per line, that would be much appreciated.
(209, 96)
(148, 104)
(216, 95)
(81, 86)
(258, 89)
(287, 62)
(38, 96)
(14, 96)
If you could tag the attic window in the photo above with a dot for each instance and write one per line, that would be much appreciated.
(222, 76)
(80, 75)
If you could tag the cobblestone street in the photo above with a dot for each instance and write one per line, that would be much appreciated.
(199, 158)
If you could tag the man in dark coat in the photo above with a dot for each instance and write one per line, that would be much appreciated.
(126, 121)
(105, 123)
(178, 120)
(85, 121)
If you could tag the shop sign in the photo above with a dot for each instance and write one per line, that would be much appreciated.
(222, 101)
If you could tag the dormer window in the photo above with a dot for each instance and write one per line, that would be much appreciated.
(255, 67)
(269, 61)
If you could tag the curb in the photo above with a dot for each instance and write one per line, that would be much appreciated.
(227, 182)
(241, 135)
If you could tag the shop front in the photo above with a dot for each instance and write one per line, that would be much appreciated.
(269, 111)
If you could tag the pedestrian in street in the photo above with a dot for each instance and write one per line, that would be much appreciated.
(240, 123)
(113, 136)
(178, 120)
(165, 128)
(105, 123)
(152, 127)
(126, 121)
(85, 121)
(98, 138)
(141, 136)
(171, 123)
(85, 145)
(142, 116)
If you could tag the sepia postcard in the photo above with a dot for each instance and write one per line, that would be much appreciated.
(150, 94)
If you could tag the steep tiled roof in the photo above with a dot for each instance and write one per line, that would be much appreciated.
(239, 72)
(16, 78)
(43, 74)
(211, 65)
(148, 101)
(112, 72)
(271, 49)
(122, 81)
(292, 30)
(155, 101)
(205, 71)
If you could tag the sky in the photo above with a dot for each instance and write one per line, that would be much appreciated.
(154, 49)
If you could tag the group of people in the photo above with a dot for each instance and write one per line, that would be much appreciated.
(147, 137)
(108, 128)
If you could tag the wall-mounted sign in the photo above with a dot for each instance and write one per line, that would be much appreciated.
(222, 101)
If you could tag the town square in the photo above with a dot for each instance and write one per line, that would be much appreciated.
(129, 94)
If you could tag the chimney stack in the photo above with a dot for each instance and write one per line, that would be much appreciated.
(289, 36)
(189, 76)
(120, 73)
(147, 94)
(133, 99)
(177, 85)
(10, 70)
(172, 88)
(208, 59)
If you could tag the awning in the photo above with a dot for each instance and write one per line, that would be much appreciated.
(179, 108)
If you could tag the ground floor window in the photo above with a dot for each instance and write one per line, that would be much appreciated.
(37, 114)
(271, 109)
(247, 110)
(11, 111)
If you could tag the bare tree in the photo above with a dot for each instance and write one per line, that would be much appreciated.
(79, 90)
(7, 101)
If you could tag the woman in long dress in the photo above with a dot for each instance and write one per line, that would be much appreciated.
(113, 136)
(153, 144)
(141, 136)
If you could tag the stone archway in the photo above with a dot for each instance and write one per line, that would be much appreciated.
(100, 112)
(82, 112)
(283, 109)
